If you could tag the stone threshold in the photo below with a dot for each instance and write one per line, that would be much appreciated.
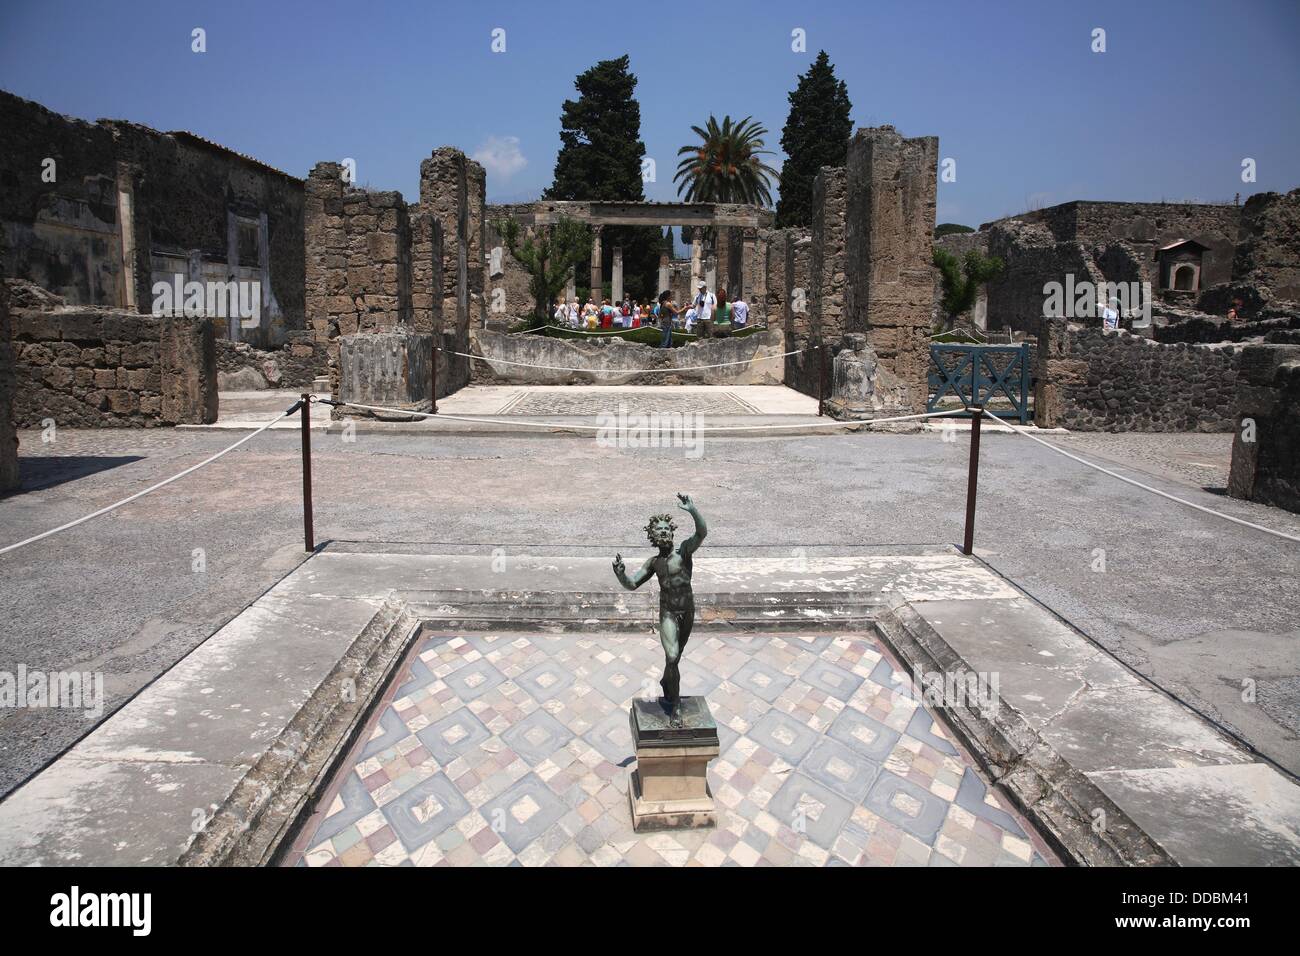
(1112, 769)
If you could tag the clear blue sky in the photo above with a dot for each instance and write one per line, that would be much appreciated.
(1184, 91)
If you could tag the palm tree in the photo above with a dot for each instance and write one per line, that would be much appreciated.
(725, 166)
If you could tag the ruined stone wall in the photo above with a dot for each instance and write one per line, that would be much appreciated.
(801, 370)
(426, 271)
(453, 190)
(1091, 380)
(1031, 257)
(509, 292)
(62, 235)
(9, 477)
(890, 189)
(88, 368)
(1098, 242)
(1213, 329)
(1266, 442)
(296, 364)
(827, 265)
(1269, 250)
(129, 204)
(611, 361)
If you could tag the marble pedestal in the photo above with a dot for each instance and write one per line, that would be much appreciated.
(669, 789)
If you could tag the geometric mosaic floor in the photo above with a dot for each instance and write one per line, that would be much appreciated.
(514, 749)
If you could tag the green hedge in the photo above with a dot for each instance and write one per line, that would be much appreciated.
(646, 335)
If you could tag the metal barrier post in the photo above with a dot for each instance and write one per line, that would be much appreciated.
(308, 537)
(972, 478)
(433, 395)
(821, 380)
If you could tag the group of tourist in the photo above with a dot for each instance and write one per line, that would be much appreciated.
(711, 314)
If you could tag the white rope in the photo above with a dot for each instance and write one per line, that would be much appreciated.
(705, 428)
(1138, 484)
(141, 494)
(627, 371)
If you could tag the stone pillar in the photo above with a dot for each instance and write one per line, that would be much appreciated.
(665, 274)
(697, 260)
(753, 273)
(616, 276)
(328, 306)
(476, 241)
(385, 368)
(827, 268)
(9, 476)
(597, 265)
(889, 238)
(188, 371)
(571, 287)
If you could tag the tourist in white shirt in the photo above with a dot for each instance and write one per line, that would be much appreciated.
(739, 312)
(705, 302)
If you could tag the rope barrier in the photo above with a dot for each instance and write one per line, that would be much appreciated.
(151, 488)
(585, 427)
(631, 371)
(1144, 487)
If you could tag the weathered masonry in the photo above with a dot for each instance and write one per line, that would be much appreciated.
(377, 264)
(97, 213)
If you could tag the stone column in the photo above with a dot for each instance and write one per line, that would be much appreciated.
(596, 263)
(753, 273)
(571, 287)
(9, 477)
(697, 260)
(889, 211)
(665, 273)
(616, 279)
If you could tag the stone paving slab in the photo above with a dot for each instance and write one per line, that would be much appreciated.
(577, 400)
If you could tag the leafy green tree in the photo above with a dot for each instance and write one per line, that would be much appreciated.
(724, 166)
(948, 228)
(600, 159)
(547, 257)
(961, 278)
(816, 134)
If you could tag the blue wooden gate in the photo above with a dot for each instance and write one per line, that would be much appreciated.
(994, 376)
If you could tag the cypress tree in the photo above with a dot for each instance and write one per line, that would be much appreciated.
(816, 134)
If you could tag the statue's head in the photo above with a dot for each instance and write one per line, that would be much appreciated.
(660, 531)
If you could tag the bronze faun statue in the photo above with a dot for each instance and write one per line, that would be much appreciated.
(676, 600)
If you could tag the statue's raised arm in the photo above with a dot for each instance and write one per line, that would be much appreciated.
(690, 545)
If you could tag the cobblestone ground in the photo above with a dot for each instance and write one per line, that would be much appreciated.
(827, 758)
